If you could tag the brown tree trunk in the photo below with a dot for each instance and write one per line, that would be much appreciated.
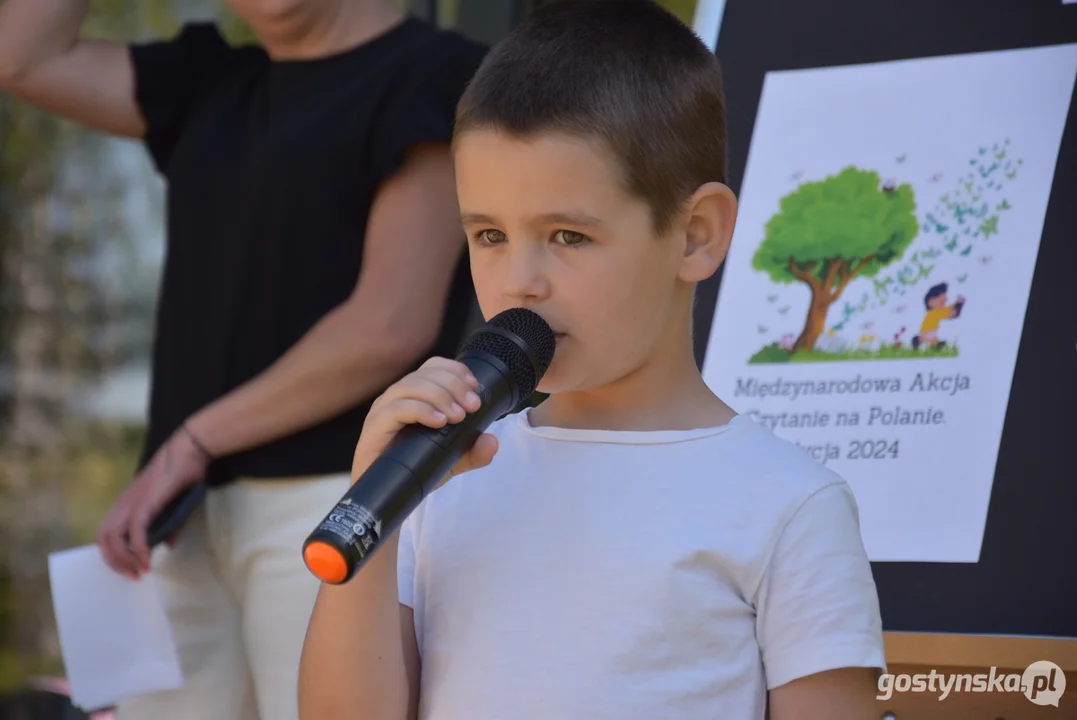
(816, 320)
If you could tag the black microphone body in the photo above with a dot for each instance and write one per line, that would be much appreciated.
(419, 457)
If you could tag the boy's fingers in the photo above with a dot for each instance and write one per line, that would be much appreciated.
(455, 367)
(434, 385)
(462, 391)
(407, 411)
(450, 395)
(437, 375)
(428, 390)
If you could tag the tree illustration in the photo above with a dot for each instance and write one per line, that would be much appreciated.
(829, 232)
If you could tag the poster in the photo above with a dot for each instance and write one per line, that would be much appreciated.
(873, 298)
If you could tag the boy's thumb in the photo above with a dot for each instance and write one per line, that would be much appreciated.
(480, 455)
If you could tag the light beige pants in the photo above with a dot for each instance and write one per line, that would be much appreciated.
(239, 599)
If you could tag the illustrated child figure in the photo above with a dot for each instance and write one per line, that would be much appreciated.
(937, 311)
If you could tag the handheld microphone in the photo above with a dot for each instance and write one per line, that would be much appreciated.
(508, 356)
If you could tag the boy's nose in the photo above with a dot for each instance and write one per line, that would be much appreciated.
(525, 276)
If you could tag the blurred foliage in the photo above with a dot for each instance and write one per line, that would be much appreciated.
(64, 325)
(684, 9)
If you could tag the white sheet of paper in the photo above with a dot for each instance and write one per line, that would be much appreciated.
(114, 634)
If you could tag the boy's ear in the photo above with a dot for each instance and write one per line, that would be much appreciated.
(711, 215)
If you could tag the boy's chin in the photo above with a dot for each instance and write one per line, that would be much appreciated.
(554, 382)
(548, 387)
(557, 382)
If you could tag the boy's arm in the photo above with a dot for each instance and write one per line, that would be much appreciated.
(817, 614)
(412, 661)
(360, 658)
(842, 694)
(44, 62)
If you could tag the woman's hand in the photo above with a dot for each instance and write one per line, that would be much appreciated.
(122, 536)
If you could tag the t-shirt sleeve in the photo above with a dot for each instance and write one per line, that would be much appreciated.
(422, 106)
(817, 605)
(169, 75)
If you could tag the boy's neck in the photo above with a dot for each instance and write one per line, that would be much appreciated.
(666, 394)
(345, 26)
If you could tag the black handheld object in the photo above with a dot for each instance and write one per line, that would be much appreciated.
(167, 522)
(508, 356)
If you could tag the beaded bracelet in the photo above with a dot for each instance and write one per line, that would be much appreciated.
(198, 443)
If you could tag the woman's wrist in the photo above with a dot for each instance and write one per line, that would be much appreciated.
(196, 440)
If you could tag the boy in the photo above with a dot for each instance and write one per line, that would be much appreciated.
(937, 311)
(630, 548)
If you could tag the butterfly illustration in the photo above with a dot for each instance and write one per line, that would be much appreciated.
(881, 285)
(989, 226)
(938, 227)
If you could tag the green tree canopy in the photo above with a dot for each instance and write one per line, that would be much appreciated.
(846, 217)
(831, 231)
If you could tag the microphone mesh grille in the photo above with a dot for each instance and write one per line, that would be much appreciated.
(529, 327)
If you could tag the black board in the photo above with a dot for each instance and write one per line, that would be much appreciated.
(1026, 580)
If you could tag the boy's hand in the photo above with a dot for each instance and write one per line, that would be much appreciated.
(440, 392)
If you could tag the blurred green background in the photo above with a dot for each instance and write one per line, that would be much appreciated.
(81, 240)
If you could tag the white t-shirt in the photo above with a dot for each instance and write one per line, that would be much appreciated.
(616, 574)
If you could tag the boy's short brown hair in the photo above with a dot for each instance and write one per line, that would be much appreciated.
(624, 72)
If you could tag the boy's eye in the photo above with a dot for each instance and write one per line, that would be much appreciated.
(491, 237)
(570, 237)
